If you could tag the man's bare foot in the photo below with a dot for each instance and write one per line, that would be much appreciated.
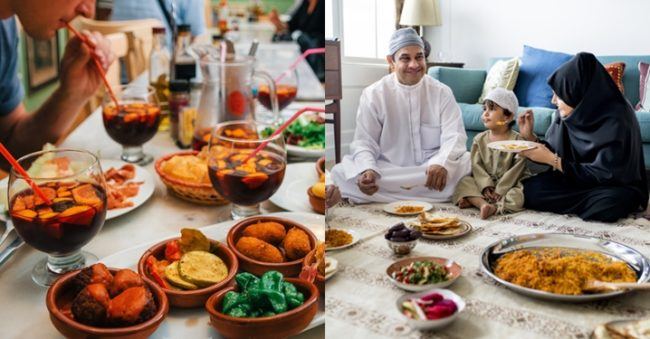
(464, 203)
(487, 211)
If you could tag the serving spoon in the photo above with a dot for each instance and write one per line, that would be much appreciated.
(603, 286)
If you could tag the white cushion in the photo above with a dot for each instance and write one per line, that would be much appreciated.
(502, 74)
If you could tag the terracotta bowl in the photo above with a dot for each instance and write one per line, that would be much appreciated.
(317, 204)
(256, 267)
(193, 298)
(59, 298)
(320, 166)
(319, 281)
(278, 326)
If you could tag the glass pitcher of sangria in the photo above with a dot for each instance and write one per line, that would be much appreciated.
(227, 93)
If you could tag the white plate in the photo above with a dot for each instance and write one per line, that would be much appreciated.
(432, 324)
(292, 194)
(194, 323)
(391, 208)
(141, 174)
(503, 145)
(334, 264)
(145, 192)
(302, 152)
(464, 228)
(355, 239)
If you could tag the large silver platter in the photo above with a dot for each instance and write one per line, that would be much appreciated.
(617, 251)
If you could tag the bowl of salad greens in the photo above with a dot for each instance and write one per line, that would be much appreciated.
(305, 137)
(423, 273)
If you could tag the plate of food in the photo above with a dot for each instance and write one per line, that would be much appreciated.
(305, 137)
(195, 322)
(439, 227)
(407, 207)
(512, 146)
(129, 186)
(331, 267)
(338, 239)
(572, 262)
(623, 329)
(299, 178)
(429, 310)
(423, 273)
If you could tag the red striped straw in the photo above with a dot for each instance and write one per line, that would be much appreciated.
(283, 127)
(99, 66)
(299, 59)
(21, 170)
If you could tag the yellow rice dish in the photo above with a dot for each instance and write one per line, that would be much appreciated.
(560, 270)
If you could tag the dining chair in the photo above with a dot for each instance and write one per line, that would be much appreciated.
(139, 40)
(333, 91)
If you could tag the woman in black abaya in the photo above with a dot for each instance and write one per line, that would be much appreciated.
(593, 147)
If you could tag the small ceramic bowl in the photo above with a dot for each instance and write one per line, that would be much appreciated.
(452, 267)
(317, 204)
(320, 166)
(256, 267)
(319, 280)
(425, 325)
(59, 299)
(401, 247)
(191, 298)
(278, 326)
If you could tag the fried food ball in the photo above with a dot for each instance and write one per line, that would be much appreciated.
(133, 306)
(124, 279)
(91, 304)
(259, 250)
(271, 232)
(296, 244)
(97, 273)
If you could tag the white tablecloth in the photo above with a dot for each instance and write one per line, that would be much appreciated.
(360, 299)
(22, 303)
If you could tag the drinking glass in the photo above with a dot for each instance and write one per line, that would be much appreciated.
(73, 182)
(244, 179)
(135, 122)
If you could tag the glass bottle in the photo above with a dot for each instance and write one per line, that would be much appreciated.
(179, 99)
(159, 61)
(184, 63)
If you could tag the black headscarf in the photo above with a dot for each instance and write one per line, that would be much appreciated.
(600, 141)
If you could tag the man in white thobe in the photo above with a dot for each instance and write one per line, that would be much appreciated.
(409, 141)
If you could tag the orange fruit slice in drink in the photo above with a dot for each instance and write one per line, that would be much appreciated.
(50, 193)
(255, 180)
(78, 215)
(85, 194)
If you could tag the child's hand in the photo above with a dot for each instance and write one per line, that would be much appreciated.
(491, 195)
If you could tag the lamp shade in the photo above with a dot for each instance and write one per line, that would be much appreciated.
(420, 13)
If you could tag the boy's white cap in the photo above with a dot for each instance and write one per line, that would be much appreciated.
(504, 98)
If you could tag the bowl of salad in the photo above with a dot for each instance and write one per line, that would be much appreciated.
(305, 137)
(423, 273)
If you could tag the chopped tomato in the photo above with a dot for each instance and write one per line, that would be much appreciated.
(173, 251)
(151, 267)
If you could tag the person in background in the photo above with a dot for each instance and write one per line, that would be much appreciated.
(186, 12)
(103, 10)
(495, 184)
(409, 141)
(309, 19)
(23, 132)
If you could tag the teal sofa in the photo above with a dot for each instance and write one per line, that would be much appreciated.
(467, 85)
